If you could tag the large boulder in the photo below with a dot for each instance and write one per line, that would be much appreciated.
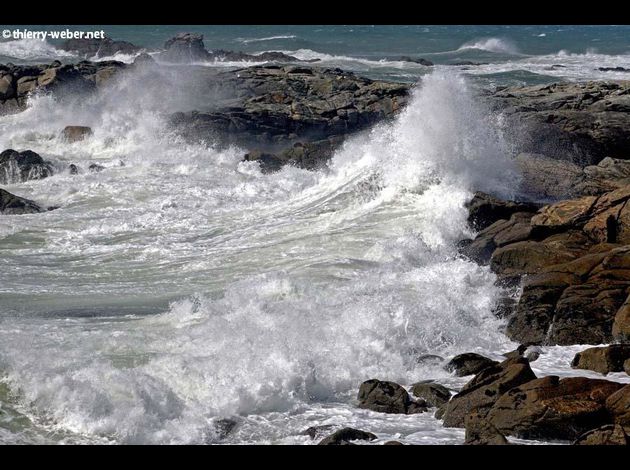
(468, 364)
(387, 397)
(345, 436)
(550, 408)
(10, 204)
(76, 133)
(608, 435)
(480, 432)
(485, 389)
(432, 393)
(16, 167)
(96, 48)
(185, 48)
(484, 209)
(603, 359)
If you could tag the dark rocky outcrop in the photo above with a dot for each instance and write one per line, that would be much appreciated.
(603, 359)
(550, 408)
(16, 167)
(415, 60)
(485, 389)
(189, 48)
(608, 435)
(388, 397)
(95, 48)
(345, 436)
(433, 394)
(613, 69)
(579, 122)
(317, 431)
(468, 364)
(480, 432)
(485, 209)
(76, 133)
(10, 204)
(618, 406)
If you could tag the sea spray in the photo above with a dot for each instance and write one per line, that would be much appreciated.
(287, 290)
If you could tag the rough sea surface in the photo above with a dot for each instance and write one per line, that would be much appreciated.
(181, 286)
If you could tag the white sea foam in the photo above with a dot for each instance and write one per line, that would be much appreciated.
(269, 38)
(498, 45)
(31, 49)
(307, 283)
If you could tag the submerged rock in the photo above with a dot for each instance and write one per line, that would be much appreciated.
(317, 431)
(345, 436)
(76, 133)
(16, 167)
(10, 204)
(603, 359)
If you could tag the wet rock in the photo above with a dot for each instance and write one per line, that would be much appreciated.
(429, 359)
(545, 178)
(317, 431)
(602, 359)
(185, 48)
(345, 436)
(144, 59)
(468, 364)
(96, 168)
(73, 169)
(416, 60)
(76, 133)
(224, 427)
(7, 86)
(95, 48)
(578, 122)
(387, 397)
(485, 389)
(17, 166)
(10, 204)
(608, 435)
(550, 408)
(435, 395)
(613, 69)
(484, 209)
(480, 431)
(393, 443)
(618, 406)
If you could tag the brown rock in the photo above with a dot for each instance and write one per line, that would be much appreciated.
(468, 364)
(433, 394)
(618, 405)
(549, 408)
(603, 359)
(76, 133)
(485, 389)
(387, 397)
(608, 435)
(480, 431)
(345, 436)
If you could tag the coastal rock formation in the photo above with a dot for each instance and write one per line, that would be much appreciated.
(16, 167)
(579, 122)
(618, 406)
(292, 114)
(468, 364)
(96, 48)
(608, 435)
(189, 48)
(10, 204)
(485, 389)
(345, 436)
(603, 359)
(480, 432)
(550, 408)
(388, 397)
(76, 133)
(433, 394)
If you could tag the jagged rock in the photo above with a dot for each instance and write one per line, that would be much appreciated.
(76, 133)
(99, 47)
(578, 122)
(468, 364)
(435, 395)
(484, 210)
(602, 359)
(485, 389)
(10, 204)
(480, 432)
(345, 436)
(608, 435)
(618, 406)
(550, 408)
(388, 397)
(17, 166)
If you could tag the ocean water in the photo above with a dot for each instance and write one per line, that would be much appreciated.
(180, 286)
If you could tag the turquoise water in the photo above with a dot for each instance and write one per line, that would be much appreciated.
(507, 52)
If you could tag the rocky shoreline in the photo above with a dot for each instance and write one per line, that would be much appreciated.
(565, 245)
